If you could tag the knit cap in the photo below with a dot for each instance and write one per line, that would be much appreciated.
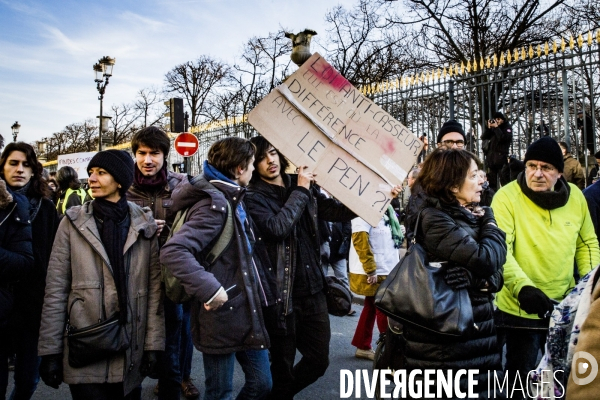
(498, 114)
(547, 150)
(450, 126)
(118, 163)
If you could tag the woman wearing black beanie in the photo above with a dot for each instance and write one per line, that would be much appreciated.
(113, 275)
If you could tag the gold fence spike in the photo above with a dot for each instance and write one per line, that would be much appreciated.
(495, 60)
(444, 72)
(530, 52)
(589, 39)
(508, 57)
(438, 74)
(571, 43)
(546, 48)
(539, 50)
(555, 47)
(475, 65)
(488, 62)
(516, 55)
(523, 54)
(563, 44)
(598, 37)
(468, 66)
(580, 41)
(502, 58)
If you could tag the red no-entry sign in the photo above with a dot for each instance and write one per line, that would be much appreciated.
(186, 144)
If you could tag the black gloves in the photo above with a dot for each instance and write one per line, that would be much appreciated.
(51, 370)
(149, 362)
(488, 216)
(458, 278)
(534, 301)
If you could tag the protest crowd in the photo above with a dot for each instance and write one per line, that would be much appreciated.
(107, 282)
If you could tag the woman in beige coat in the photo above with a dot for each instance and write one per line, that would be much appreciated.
(104, 265)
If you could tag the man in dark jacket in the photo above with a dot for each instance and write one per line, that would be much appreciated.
(586, 127)
(286, 209)
(230, 292)
(499, 134)
(152, 187)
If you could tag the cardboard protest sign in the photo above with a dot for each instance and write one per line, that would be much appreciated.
(77, 161)
(358, 151)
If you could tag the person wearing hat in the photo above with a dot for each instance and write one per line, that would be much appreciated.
(451, 135)
(547, 225)
(586, 127)
(104, 265)
(497, 139)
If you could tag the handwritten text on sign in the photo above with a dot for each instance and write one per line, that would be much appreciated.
(358, 187)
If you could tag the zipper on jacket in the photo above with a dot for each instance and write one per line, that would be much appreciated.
(9, 214)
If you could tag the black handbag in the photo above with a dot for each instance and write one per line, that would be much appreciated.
(415, 293)
(95, 342)
(339, 297)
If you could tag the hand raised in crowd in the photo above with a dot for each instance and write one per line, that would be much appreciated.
(161, 224)
(304, 177)
(217, 301)
(396, 190)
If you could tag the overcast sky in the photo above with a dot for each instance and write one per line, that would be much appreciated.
(48, 48)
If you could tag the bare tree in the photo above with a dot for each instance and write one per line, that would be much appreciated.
(123, 123)
(455, 31)
(196, 81)
(364, 46)
(147, 104)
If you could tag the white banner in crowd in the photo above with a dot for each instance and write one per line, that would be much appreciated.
(358, 150)
(77, 161)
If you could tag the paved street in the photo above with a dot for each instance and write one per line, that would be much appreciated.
(328, 387)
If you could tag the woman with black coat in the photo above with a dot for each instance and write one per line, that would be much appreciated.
(22, 172)
(454, 229)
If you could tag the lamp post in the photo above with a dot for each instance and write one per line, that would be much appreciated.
(15, 129)
(103, 70)
(42, 146)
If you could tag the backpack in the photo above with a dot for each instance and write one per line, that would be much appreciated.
(173, 288)
(339, 297)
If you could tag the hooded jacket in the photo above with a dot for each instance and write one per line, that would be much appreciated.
(542, 245)
(80, 269)
(238, 324)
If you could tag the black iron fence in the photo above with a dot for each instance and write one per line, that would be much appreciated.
(540, 90)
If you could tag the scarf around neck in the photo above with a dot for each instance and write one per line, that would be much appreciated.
(391, 220)
(113, 238)
(155, 182)
(34, 202)
(548, 200)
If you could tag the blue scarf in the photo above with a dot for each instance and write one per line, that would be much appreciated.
(211, 174)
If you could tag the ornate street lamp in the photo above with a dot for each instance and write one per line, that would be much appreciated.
(15, 129)
(103, 70)
(41, 147)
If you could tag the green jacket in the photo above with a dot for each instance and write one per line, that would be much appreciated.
(542, 245)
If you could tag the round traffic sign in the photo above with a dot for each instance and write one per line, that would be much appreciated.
(186, 144)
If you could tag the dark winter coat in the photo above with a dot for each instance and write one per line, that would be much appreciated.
(592, 196)
(500, 139)
(451, 233)
(159, 202)
(16, 254)
(341, 235)
(279, 212)
(237, 325)
(29, 293)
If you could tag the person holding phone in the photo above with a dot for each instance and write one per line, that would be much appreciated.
(499, 135)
